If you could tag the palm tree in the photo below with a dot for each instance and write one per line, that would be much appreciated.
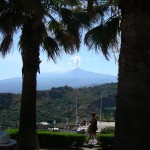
(133, 105)
(132, 114)
(47, 25)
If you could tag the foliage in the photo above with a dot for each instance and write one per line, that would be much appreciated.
(54, 139)
(4, 100)
(106, 137)
(106, 140)
(13, 133)
(103, 36)
(50, 104)
(107, 130)
(57, 14)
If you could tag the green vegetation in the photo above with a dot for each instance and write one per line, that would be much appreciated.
(57, 139)
(106, 138)
(107, 141)
(108, 130)
(50, 104)
(54, 139)
(13, 133)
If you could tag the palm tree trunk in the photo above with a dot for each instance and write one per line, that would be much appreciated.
(133, 103)
(30, 56)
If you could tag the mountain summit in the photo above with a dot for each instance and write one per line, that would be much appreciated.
(74, 78)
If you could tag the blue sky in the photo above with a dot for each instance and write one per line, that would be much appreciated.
(11, 65)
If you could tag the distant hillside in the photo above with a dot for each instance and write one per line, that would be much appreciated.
(60, 103)
(75, 78)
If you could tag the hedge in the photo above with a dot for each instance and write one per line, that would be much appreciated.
(13, 133)
(106, 140)
(54, 139)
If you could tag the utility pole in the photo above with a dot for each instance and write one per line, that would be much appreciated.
(100, 113)
(76, 112)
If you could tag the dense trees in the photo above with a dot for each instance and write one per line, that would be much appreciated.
(50, 104)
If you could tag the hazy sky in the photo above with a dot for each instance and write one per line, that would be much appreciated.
(11, 65)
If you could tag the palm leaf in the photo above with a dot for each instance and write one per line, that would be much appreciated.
(63, 36)
(10, 21)
(65, 40)
(84, 19)
(6, 44)
(51, 47)
(103, 36)
(3, 6)
(72, 25)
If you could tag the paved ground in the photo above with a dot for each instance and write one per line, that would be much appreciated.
(82, 148)
(85, 147)
(91, 145)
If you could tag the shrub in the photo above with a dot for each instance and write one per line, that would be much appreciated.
(106, 137)
(57, 139)
(54, 139)
(109, 129)
(106, 140)
(13, 133)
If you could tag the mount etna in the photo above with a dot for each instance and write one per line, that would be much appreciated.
(74, 78)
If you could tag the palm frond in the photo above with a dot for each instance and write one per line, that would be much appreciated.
(92, 4)
(101, 9)
(6, 44)
(69, 3)
(10, 22)
(84, 19)
(89, 16)
(11, 14)
(51, 47)
(3, 6)
(66, 39)
(97, 9)
(61, 3)
(71, 24)
(103, 36)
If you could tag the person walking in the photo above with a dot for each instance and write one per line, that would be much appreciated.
(92, 128)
